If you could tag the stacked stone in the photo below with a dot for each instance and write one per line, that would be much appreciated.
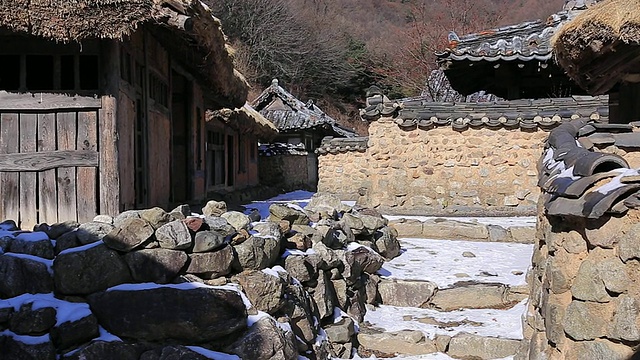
(438, 171)
(586, 302)
(158, 281)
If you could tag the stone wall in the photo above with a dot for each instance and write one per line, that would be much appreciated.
(439, 170)
(288, 171)
(585, 302)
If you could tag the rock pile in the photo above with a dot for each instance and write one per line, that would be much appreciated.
(150, 284)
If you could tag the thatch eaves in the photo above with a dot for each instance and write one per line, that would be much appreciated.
(601, 46)
(246, 120)
(201, 44)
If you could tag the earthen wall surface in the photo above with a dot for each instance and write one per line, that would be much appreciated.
(438, 170)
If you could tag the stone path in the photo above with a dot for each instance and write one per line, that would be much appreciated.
(450, 299)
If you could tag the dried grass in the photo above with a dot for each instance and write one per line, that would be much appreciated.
(607, 21)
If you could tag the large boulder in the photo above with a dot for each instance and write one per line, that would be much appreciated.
(88, 269)
(155, 265)
(220, 225)
(465, 345)
(265, 341)
(186, 312)
(22, 275)
(386, 242)
(173, 352)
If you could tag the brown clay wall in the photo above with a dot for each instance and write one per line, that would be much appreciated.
(438, 170)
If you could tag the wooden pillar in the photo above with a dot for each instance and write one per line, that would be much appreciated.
(109, 189)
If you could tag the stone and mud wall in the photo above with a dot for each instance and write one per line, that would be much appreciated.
(436, 171)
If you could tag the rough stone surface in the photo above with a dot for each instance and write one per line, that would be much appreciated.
(588, 284)
(237, 219)
(109, 350)
(341, 331)
(41, 248)
(172, 352)
(160, 314)
(130, 234)
(93, 231)
(256, 253)
(409, 342)
(471, 296)
(69, 334)
(20, 276)
(625, 324)
(586, 320)
(155, 265)
(279, 212)
(208, 241)
(386, 242)
(265, 291)
(220, 225)
(406, 292)
(467, 345)
(156, 217)
(174, 236)
(87, 271)
(264, 341)
(16, 350)
(437, 171)
(211, 265)
(34, 322)
(214, 208)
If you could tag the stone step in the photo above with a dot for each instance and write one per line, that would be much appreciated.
(462, 295)
(441, 228)
(413, 342)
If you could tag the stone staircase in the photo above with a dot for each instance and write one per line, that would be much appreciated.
(444, 299)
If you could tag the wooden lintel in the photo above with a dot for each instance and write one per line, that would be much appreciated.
(46, 160)
(45, 101)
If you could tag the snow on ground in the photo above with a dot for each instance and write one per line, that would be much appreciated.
(482, 322)
(298, 197)
(434, 356)
(441, 262)
(505, 222)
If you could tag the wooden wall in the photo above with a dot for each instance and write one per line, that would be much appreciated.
(48, 158)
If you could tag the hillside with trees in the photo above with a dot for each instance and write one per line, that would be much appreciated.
(332, 50)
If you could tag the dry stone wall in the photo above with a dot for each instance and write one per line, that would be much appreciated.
(585, 301)
(438, 170)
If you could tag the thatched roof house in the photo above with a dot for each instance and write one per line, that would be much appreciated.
(187, 27)
(103, 108)
(601, 47)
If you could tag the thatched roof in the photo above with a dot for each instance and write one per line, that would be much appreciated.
(601, 46)
(194, 35)
(246, 120)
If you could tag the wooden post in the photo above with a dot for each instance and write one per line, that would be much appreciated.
(109, 190)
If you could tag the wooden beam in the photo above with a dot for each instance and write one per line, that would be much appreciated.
(47, 160)
(19, 102)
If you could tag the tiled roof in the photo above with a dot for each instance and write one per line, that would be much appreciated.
(526, 114)
(282, 149)
(580, 182)
(335, 145)
(289, 114)
(526, 41)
